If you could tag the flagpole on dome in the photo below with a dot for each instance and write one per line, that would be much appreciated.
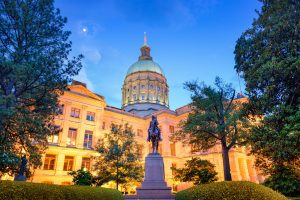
(145, 39)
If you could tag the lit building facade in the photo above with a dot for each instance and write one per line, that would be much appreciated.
(86, 116)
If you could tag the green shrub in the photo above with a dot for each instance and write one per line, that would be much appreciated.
(286, 181)
(10, 190)
(235, 190)
(82, 177)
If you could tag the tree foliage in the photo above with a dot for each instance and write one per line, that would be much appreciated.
(268, 56)
(82, 177)
(197, 171)
(119, 157)
(34, 70)
(216, 118)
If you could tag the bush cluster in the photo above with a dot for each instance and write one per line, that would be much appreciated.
(235, 190)
(11, 190)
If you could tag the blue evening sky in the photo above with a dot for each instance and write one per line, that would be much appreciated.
(189, 39)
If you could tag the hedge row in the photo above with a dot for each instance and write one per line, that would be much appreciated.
(235, 190)
(11, 190)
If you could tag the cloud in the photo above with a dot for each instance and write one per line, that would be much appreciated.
(83, 77)
(184, 13)
(91, 54)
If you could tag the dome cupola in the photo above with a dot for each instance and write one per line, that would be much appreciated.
(145, 89)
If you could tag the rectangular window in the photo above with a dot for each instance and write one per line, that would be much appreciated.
(75, 112)
(160, 149)
(86, 164)
(60, 109)
(88, 139)
(174, 165)
(72, 134)
(103, 126)
(90, 116)
(53, 139)
(171, 129)
(140, 132)
(173, 149)
(49, 163)
(68, 164)
(194, 149)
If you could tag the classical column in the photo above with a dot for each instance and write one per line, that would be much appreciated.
(246, 171)
(78, 162)
(64, 134)
(81, 128)
(60, 162)
(98, 125)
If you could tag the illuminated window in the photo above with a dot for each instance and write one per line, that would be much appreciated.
(75, 112)
(90, 116)
(171, 129)
(49, 163)
(86, 163)
(174, 165)
(53, 139)
(143, 97)
(48, 182)
(68, 164)
(173, 149)
(194, 149)
(160, 148)
(151, 86)
(140, 132)
(72, 134)
(66, 183)
(175, 188)
(60, 109)
(88, 139)
(158, 88)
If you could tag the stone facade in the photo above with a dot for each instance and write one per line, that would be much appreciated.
(72, 151)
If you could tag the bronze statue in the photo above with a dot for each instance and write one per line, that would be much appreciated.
(23, 168)
(154, 134)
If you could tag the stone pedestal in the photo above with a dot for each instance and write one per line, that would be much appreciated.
(20, 178)
(154, 185)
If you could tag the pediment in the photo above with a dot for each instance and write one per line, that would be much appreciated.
(79, 89)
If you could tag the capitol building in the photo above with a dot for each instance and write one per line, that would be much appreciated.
(85, 117)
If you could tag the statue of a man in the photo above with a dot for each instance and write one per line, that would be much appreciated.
(23, 167)
(154, 134)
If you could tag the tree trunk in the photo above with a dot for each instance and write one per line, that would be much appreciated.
(226, 164)
(117, 179)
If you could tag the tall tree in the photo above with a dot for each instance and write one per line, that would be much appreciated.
(35, 69)
(268, 57)
(216, 118)
(119, 157)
